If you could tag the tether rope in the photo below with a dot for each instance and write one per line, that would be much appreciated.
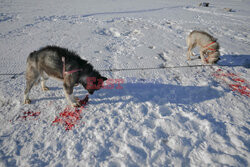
(140, 69)
(154, 68)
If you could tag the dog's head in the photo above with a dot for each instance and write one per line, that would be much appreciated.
(214, 58)
(93, 82)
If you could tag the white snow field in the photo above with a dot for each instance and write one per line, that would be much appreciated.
(182, 116)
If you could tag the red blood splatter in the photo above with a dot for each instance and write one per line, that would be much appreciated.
(28, 114)
(70, 116)
(240, 85)
(244, 90)
(239, 80)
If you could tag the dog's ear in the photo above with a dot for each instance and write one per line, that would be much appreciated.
(104, 78)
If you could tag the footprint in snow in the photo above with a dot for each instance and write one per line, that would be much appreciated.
(151, 47)
(163, 56)
(109, 32)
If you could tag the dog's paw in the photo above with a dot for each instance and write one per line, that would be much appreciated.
(76, 98)
(205, 62)
(27, 101)
(45, 88)
(77, 104)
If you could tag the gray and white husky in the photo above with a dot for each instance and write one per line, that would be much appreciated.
(209, 47)
(62, 64)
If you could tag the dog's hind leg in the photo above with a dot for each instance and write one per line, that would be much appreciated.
(190, 47)
(43, 79)
(32, 76)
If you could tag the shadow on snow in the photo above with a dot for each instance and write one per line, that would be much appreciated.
(159, 94)
(235, 60)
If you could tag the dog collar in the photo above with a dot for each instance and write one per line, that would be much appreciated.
(207, 47)
(209, 44)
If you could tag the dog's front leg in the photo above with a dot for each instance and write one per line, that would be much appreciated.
(43, 79)
(203, 60)
(188, 56)
(68, 91)
(189, 52)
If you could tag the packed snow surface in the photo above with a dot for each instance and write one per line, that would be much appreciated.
(188, 115)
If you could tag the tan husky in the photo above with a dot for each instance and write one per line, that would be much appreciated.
(209, 47)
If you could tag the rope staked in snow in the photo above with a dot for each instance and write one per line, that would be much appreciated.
(139, 69)
(155, 68)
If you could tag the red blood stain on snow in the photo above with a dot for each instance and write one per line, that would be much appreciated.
(71, 116)
(234, 82)
(27, 115)
(30, 114)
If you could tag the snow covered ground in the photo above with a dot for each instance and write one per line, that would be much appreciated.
(161, 117)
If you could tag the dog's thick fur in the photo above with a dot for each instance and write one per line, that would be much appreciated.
(202, 39)
(48, 62)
